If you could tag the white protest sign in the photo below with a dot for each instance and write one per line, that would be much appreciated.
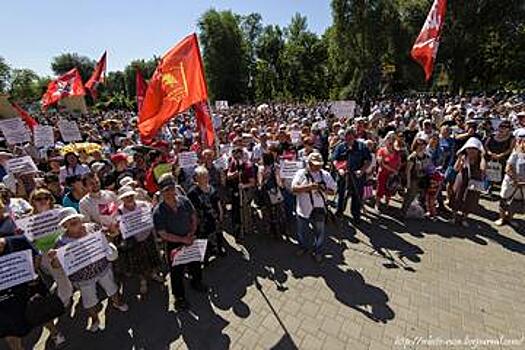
(494, 171)
(40, 225)
(290, 168)
(21, 165)
(295, 135)
(15, 131)
(16, 268)
(137, 221)
(69, 130)
(76, 255)
(343, 108)
(221, 163)
(188, 159)
(194, 252)
(221, 105)
(43, 136)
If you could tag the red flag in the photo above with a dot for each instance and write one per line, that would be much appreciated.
(177, 84)
(205, 123)
(140, 87)
(426, 46)
(99, 73)
(69, 84)
(26, 117)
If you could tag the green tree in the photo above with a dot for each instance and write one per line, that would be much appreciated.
(251, 26)
(147, 68)
(25, 85)
(225, 54)
(5, 75)
(269, 68)
(64, 62)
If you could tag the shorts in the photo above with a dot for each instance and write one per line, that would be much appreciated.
(88, 289)
(508, 191)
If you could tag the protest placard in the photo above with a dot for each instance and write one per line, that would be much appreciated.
(322, 124)
(43, 136)
(42, 228)
(290, 168)
(221, 105)
(69, 130)
(137, 221)
(188, 160)
(16, 268)
(21, 165)
(343, 108)
(494, 171)
(225, 149)
(295, 136)
(221, 163)
(15, 131)
(187, 254)
(76, 255)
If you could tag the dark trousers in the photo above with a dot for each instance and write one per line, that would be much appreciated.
(177, 277)
(350, 187)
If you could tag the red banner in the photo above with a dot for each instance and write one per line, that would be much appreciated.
(97, 77)
(140, 87)
(69, 84)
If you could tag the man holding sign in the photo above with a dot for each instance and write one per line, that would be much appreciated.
(175, 220)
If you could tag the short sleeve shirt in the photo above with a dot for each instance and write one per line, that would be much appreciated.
(175, 222)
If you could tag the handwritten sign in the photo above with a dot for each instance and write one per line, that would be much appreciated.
(194, 252)
(343, 108)
(43, 136)
(15, 131)
(494, 171)
(42, 228)
(76, 255)
(137, 221)
(69, 130)
(21, 165)
(188, 160)
(290, 168)
(16, 268)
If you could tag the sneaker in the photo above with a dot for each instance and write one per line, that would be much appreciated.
(181, 305)
(123, 307)
(500, 222)
(58, 339)
(200, 287)
(95, 327)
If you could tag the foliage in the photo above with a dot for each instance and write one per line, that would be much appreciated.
(65, 62)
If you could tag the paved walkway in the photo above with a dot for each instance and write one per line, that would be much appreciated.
(382, 286)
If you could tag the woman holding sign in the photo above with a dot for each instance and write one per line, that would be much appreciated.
(499, 146)
(140, 255)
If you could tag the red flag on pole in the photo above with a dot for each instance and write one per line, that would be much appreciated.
(26, 117)
(69, 84)
(97, 77)
(426, 46)
(177, 84)
(140, 88)
(204, 123)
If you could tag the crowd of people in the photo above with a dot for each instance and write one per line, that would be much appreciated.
(436, 153)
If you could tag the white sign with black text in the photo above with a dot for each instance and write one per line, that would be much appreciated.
(15, 131)
(43, 136)
(137, 221)
(290, 168)
(87, 250)
(187, 254)
(69, 130)
(16, 268)
(188, 160)
(21, 165)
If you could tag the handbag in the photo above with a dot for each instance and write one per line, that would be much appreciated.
(43, 307)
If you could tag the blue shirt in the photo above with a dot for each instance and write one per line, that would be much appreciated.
(355, 157)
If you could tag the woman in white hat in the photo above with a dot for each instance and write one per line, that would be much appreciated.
(86, 279)
(513, 186)
(470, 167)
(140, 255)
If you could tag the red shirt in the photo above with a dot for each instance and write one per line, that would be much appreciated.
(392, 159)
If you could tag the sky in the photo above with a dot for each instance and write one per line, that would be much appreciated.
(33, 31)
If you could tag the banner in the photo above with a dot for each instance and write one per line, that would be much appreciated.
(83, 252)
(494, 171)
(42, 229)
(21, 165)
(290, 168)
(16, 268)
(343, 109)
(69, 130)
(43, 136)
(221, 105)
(138, 221)
(194, 252)
(188, 160)
(15, 131)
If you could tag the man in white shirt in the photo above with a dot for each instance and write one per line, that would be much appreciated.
(99, 206)
(311, 186)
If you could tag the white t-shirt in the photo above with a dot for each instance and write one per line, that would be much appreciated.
(100, 208)
(517, 160)
(304, 201)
